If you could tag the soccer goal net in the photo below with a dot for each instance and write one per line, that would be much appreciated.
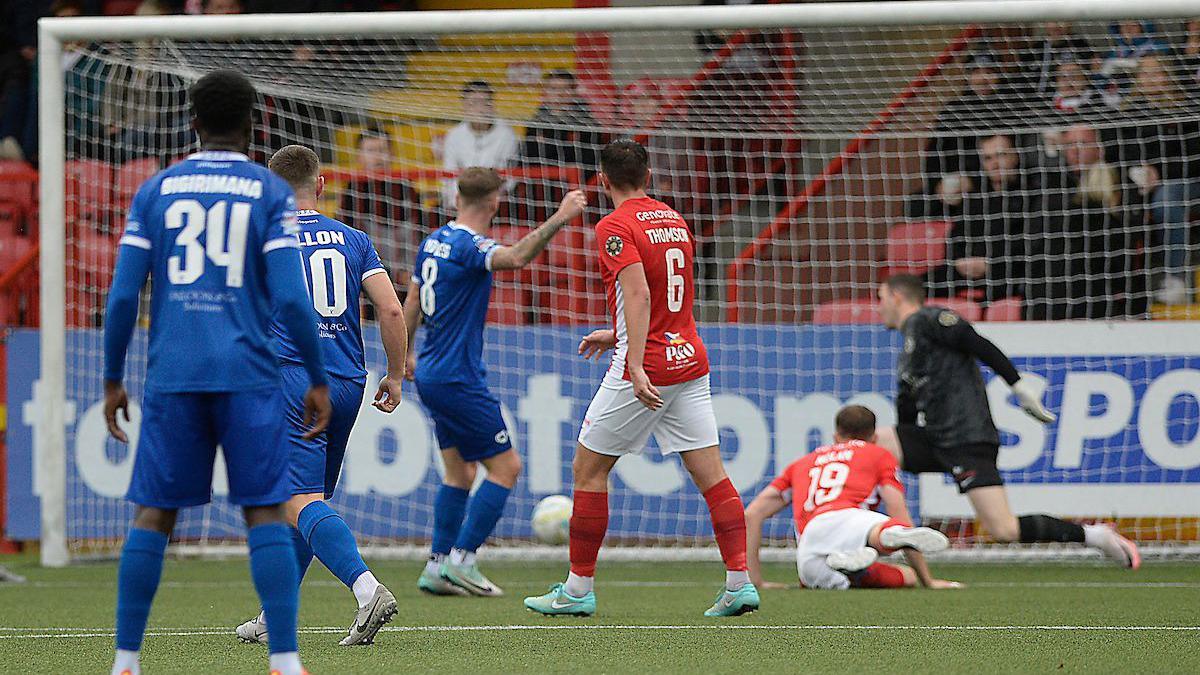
(1036, 162)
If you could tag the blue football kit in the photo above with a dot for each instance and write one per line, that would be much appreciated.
(216, 233)
(337, 260)
(453, 271)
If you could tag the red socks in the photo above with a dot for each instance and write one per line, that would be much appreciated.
(729, 524)
(589, 522)
(890, 523)
(879, 575)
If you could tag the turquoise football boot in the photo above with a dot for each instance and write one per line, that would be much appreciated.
(433, 584)
(735, 603)
(558, 603)
(469, 577)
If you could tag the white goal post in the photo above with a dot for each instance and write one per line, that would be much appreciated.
(199, 42)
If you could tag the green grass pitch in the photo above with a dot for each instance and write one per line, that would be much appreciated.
(1011, 618)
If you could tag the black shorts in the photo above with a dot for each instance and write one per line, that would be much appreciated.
(972, 465)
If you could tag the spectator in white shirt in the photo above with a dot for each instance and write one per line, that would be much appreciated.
(480, 140)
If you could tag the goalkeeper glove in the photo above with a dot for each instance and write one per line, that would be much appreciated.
(1031, 400)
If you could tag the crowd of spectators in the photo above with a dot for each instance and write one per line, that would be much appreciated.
(1069, 172)
(1067, 168)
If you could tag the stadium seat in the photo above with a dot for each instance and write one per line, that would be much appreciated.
(130, 177)
(512, 290)
(92, 256)
(32, 215)
(10, 220)
(510, 300)
(579, 301)
(915, 248)
(571, 292)
(571, 249)
(862, 311)
(12, 248)
(89, 187)
(967, 309)
(1006, 309)
(17, 184)
(120, 7)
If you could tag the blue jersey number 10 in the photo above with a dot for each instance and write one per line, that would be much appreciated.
(329, 299)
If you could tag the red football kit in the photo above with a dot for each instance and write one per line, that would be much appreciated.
(647, 231)
(841, 476)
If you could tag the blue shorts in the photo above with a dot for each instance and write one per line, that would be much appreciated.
(314, 466)
(466, 417)
(178, 444)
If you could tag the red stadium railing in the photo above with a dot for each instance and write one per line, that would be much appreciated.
(783, 220)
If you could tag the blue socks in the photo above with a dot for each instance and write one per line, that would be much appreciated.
(304, 554)
(486, 507)
(448, 510)
(137, 581)
(331, 541)
(273, 568)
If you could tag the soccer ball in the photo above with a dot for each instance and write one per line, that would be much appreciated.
(552, 518)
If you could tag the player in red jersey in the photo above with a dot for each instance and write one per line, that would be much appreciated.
(838, 536)
(657, 384)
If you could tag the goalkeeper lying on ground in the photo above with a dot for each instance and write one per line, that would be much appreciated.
(839, 537)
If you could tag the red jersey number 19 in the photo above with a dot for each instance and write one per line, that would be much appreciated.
(675, 281)
(825, 483)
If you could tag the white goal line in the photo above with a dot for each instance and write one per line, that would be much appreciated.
(85, 633)
(616, 583)
(998, 553)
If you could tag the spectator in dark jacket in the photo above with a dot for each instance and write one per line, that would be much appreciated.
(1162, 149)
(18, 98)
(1189, 59)
(563, 131)
(386, 208)
(986, 250)
(951, 156)
(1060, 45)
(1085, 265)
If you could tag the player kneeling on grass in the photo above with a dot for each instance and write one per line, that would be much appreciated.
(449, 293)
(657, 384)
(340, 263)
(838, 536)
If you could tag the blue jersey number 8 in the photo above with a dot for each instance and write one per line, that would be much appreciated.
(429, 272)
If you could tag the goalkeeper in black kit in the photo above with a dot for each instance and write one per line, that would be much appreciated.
(945, 423)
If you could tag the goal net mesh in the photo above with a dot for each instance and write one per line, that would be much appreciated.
(1028, 172)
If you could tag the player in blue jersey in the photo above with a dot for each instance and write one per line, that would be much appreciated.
(216, 233)
(449, 292)
(340, 263)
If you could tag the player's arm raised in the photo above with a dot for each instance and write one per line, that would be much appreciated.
(289, 292)
(960, 334)
(120, 317)
(394, 333)
(524, 251)
(636, 293)
(412, 321)
(768, 502)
